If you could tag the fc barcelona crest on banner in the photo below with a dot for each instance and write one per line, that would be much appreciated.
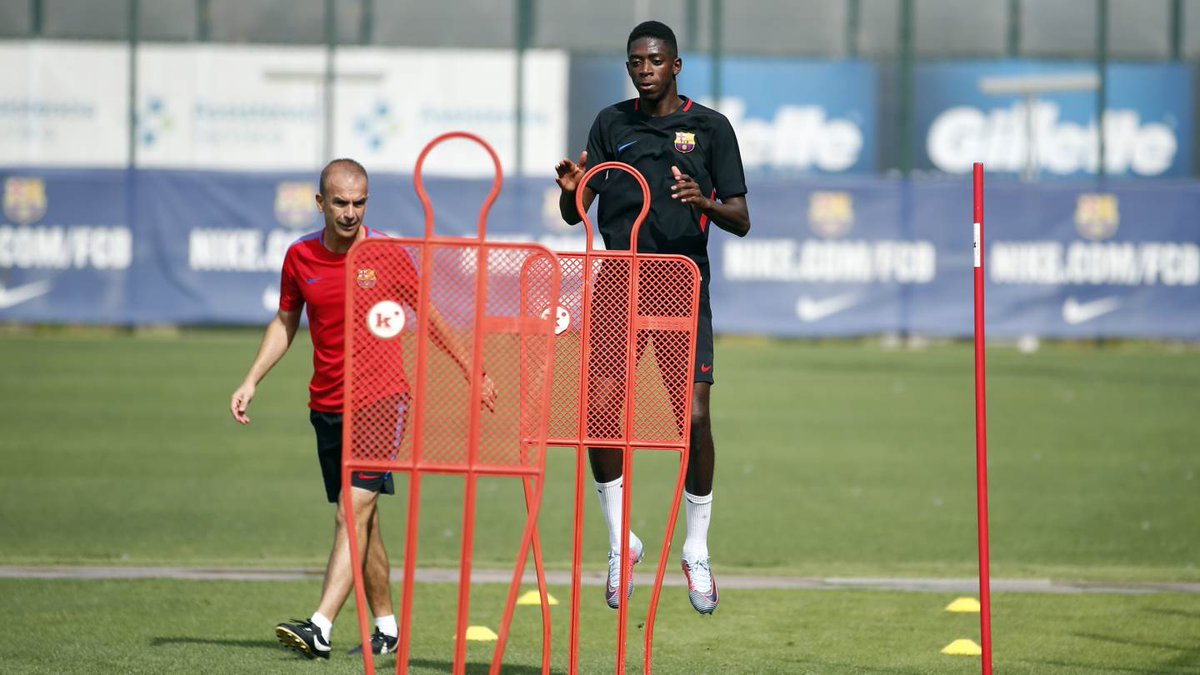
(830, 214)
(294, 206)
(1097, 216)
(366, 278)
(685, 141)
(24, 200)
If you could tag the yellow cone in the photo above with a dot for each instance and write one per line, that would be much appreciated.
(533, 598)
(481, 634)
(962, 647)
(964, 605)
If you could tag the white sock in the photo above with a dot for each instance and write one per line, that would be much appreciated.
(699, 511)
(324, 624)
(610, 504)
(387, 625)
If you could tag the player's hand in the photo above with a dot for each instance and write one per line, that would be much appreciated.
(570, 174)
(240, 401)
(487, 393)
(687, 190)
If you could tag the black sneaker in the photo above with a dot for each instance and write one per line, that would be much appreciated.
(304, 637)
(380, 644)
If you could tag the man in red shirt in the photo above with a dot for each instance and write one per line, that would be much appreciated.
(314, 277)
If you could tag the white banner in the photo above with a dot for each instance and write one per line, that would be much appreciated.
(64, 104)
(233, 108)
(391, 102)
(239, 108)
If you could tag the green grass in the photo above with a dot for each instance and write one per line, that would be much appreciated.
(224, 627)
(839, 459)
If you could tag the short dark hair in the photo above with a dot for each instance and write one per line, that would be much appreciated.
(343, 163)
(656, 30)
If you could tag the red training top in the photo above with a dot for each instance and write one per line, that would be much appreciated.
(315, 277)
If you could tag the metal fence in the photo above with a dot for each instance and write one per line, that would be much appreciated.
(1138, 29)
(890, 33)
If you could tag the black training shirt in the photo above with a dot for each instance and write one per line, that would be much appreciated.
(698, 140)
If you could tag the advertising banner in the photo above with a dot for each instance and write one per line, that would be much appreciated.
(229, 107)
(66, 247)
(262, 108)
(1148, 124)
(390, 102)
(825, 257)
(791, 116)
(64, 104)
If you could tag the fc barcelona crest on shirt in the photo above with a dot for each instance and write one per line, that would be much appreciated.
(24, 200)
(685, 141)
(366, 278)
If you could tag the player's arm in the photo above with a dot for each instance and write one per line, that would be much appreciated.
(731, 215)
(276, 340)
(446, 339)
(569, 176)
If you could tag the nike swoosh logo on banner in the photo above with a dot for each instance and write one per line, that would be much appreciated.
(808, 309)
(1075, 312)
(11, 297)
(621, 148)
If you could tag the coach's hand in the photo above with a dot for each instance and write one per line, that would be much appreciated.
(487, 393)
(687, 190)
(570, 174)
(240, 401)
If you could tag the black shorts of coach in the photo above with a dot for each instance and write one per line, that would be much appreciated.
(328, 427)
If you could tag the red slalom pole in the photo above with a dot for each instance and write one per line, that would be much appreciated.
(985, 594)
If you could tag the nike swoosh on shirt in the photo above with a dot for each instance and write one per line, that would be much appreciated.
(10, 297)
(312, 280)
(621, 148)
(1075, 312)
(808, 309)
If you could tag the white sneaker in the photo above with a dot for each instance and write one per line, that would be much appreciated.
(613, 588)
(702, 586)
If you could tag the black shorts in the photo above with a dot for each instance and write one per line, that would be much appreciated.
(329, 453)
(704, 340)
(610, 306)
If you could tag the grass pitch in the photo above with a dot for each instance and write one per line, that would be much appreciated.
(839, 459)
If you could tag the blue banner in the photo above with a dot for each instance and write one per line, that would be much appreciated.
(791, 116)
(826, 256)
(1147, 122)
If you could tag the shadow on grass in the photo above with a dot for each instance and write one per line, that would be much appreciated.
(1155, 670)
(824, 665)
(1186, 662)
(475, 668)
(247, 644)
(440, 666)
(1181, 613)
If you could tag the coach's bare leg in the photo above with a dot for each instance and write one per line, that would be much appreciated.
(702, 458)
(377, 572)
(339, 574)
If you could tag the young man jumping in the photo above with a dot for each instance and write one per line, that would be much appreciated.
(689, 155)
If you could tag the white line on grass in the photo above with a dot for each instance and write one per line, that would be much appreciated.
(558, 578)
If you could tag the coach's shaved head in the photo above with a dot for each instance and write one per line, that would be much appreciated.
(343, 164)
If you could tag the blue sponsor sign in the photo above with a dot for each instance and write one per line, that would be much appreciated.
(790, 116)
(827, 256)
(1147, 123)
(67, 246)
